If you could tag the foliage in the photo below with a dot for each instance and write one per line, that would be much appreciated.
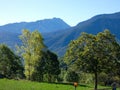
(94, 53)
(39, 71)
(10, 64)
(49, 65)
(52, 69)
(103, 78)
(72, 76)
(31, 51)
(108, 79)
(86, 78)
(40, 63)
(47, 69)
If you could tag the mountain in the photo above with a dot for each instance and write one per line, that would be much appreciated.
(46, 25)
(9, 33)
(9, 38)
(96, 24)
(58, 40)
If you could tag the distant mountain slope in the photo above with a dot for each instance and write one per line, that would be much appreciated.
(58, 40)
(46, 25)
(61, 39)
(9, 38)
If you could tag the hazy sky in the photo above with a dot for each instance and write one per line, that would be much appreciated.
(71, 11)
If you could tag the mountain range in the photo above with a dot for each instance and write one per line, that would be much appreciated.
(58, 34)
(46, 25)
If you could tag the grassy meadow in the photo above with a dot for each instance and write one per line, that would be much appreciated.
(6, 84)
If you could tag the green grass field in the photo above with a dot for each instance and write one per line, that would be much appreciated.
(6, 84)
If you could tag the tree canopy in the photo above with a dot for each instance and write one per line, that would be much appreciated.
(10, 64)
(31, 49)
(52, 68)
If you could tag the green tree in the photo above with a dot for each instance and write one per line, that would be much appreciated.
(94, 53)
(52, 69)
(39, 70)
(10, 64)
(31, 50)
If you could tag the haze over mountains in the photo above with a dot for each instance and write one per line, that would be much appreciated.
(58, 34)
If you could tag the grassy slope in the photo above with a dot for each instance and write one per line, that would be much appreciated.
(27, 85)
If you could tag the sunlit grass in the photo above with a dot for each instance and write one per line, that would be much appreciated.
(6, 84)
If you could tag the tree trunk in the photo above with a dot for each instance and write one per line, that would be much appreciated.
(29, 75)
(96, 81)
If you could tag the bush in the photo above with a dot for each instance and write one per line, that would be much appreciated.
(86, 78)
(107, 79)
(72, 76)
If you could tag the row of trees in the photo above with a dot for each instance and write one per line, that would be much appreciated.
(97, 55)
(35, 62)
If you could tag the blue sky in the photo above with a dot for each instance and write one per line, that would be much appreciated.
(71, 11)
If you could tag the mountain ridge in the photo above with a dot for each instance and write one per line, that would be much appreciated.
(46, 25)
(99, 24)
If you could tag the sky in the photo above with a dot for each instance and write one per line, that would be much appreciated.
(71, 11)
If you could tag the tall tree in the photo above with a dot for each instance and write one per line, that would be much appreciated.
(52, 68)
(10, 64)
(94, 53)
(32, 48)
(47, 69)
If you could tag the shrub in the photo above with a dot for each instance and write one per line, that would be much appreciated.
(72, 76)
